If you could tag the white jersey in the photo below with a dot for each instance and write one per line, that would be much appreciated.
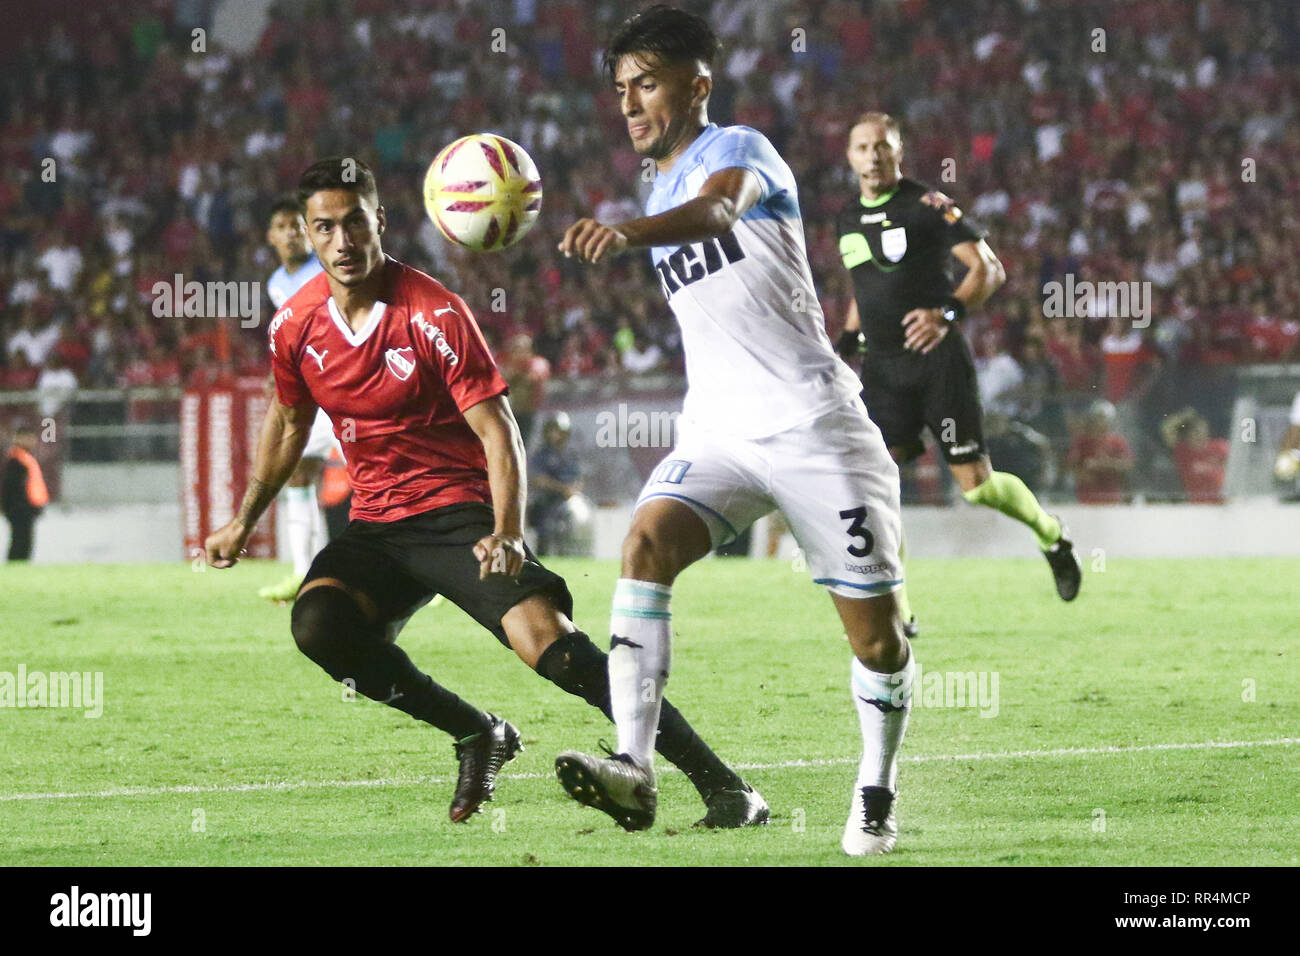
(758, 360)
(1295, 411)
(281, 286)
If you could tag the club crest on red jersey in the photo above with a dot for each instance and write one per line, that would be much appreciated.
(401, 365)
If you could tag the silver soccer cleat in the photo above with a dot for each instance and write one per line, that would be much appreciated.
(616, 785)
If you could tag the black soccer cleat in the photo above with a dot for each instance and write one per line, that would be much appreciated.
(733, 809)
(481, 757)
(614, 784)
(1066, 568)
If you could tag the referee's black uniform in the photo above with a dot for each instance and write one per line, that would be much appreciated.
(898, 248)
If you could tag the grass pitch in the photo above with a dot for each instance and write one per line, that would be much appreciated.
(1153, 722)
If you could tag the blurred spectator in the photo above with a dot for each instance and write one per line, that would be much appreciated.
(1200, 459)
(1020, 450)
(1077, 364)
(554, 478)
(33, 339)
(23, 494)
(19, 374)
(526, 373)
(55, 386)
(1000, 375)
(1100, 459)
(1127, 359)
(642, 356)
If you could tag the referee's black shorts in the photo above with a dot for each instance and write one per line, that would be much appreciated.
(906, 392)
(401, 565)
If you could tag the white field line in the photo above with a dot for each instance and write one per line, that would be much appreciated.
(782, 765)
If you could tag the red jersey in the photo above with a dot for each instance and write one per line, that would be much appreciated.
(395, 390)
(1202, 470)
(1096, 487)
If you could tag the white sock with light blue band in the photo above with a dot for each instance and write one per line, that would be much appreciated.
(299, 505)
(640, 652)
(882, 701)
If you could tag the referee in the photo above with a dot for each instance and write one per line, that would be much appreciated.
(896, 239)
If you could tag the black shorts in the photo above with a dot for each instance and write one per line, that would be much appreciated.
(401, 565)
(906, 392)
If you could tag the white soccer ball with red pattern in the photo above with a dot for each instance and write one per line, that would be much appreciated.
(483, 192)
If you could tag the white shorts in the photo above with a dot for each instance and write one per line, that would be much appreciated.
(832, 478)
(321, 441)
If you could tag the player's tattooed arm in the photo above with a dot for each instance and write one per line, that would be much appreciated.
(493, 421)
(724, 198)
(285, 431)
(257, 498)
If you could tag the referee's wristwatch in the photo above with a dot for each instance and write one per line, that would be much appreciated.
(953, 309)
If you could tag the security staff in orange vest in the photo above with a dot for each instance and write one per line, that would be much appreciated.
(24, 494)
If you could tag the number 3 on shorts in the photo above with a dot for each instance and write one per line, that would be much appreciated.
(859, 530)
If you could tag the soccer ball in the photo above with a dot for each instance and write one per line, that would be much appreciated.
(483, 192)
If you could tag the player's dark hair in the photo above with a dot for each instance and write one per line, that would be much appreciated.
(284, 204)
(337, 172)
(665, 33)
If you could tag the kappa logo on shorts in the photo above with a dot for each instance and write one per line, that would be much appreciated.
(670, 472)
(401, 365)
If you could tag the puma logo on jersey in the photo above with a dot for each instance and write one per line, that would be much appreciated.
(435, 335)
(318, 356)
(401, 365)
(438, 312)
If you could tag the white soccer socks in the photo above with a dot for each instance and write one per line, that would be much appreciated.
(883, 705)
(302, 517)
(640, 653)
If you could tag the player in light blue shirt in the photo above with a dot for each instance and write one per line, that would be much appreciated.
(287, 234)
(771, 421)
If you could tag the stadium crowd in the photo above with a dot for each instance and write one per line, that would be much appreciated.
(1149, 142)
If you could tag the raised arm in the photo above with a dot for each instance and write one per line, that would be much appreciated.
(724, 198)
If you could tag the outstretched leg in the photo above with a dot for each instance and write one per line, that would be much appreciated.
(548, 642)
(666, 536)
(1004, 492)
(339, 628)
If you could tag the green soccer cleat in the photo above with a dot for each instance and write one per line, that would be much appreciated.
(283, 592)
